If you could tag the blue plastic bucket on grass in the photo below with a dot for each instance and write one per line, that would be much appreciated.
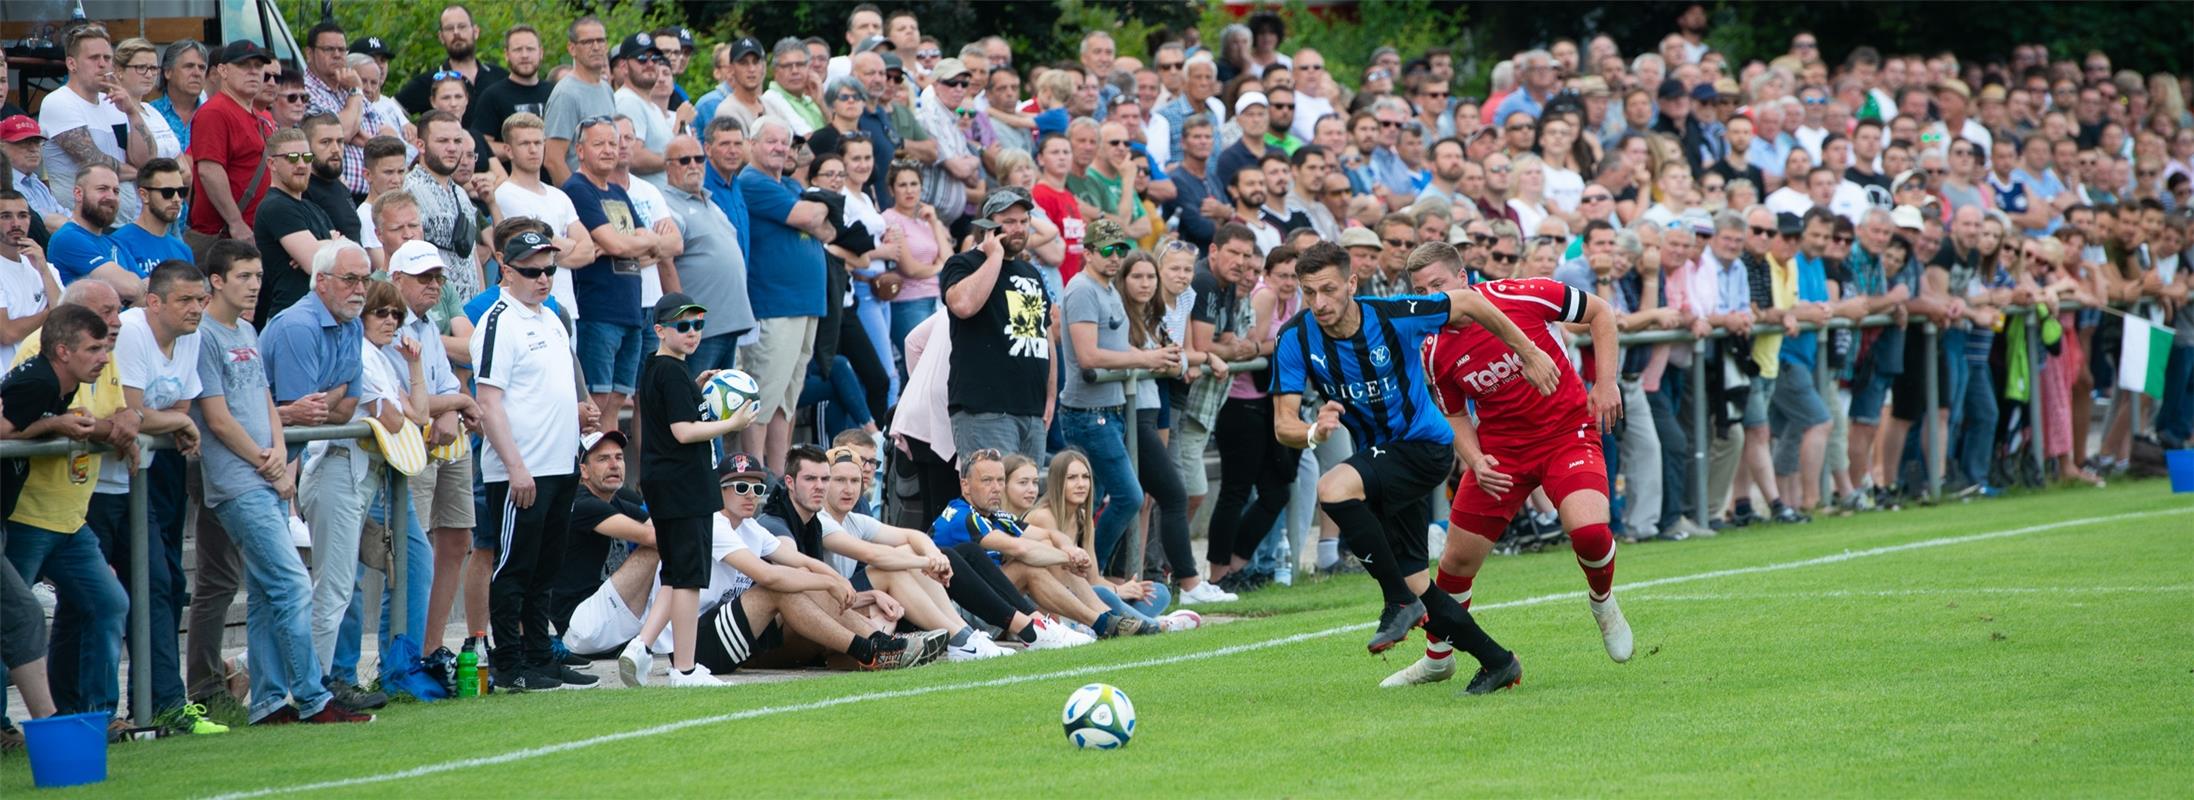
(2181, 465)
(67, 750)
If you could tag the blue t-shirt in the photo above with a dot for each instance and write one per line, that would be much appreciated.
(609, 288)
(734, 206)
(1375, 374)
(76, 252)
(1812, 288)
(142, 251)
(786, 279)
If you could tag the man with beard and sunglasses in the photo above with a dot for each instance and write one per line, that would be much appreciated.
(153, 237)
(447, 217)
(290, 228)
(324, 137)
(82, 249)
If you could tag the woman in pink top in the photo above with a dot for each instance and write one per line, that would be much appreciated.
(1251, 457)
(916, 252)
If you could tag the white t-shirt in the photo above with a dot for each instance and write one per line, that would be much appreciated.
(65, 111)
(1564, 188)
(554, 207)
(164, 142)
(651, 122)
(22, 293)
(648, 202)
(369, 232)
(165, 378)
(726, 539)
(1789, 201)
(527, 354)
(859, 526)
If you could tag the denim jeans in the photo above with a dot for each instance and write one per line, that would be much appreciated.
(419, 564)
(1973, 440)
(1102, 435)
(1145, 610)
(905, 314)
(842, 389)
(2175, 417)
(278, 614)
(109, 517)
(84, 658)
(1667, 405)
(875, 318)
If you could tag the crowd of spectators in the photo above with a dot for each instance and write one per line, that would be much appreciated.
(934, 262)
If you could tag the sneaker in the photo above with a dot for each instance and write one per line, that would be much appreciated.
(559, 654)
(1791, 516)
(334, 712)
(1692, 530)
(634, 663)
(282, 716)
(1207, 592)
(1181, 620)
(977, 648)
(188, 718)
(1051, 635)
(700, 676)
(356, 698)
(932, 644)
(1425, 670)
(571, 678)
(1614, 630)
(1395, 622)
(1488, 681)
(898, 653)
(1744, 516)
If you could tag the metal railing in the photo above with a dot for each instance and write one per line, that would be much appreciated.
(1933, 442)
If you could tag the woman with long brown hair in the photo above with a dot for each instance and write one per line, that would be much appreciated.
(1137, 283)
(1063, 506)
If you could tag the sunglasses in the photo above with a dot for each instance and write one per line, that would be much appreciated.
(1399, 243)
(956, 83)
(1842, 238)
(846, 97)
(535, 273)
(443, 75)
(686, 325)
(1114, 250)
(1760, 231)
(435, 277)
(748, 488)
(1169, 67)
(1500, 170)
(598, 119)
(688, 161)
(168, 192)
(1389, 124)
(1521, 127)
(293, 97)
(295, 158)
(1598, 198)
(1283, 106)
(1504, 258)
(928, 53)
(385, 312)
(965, 112)
(1115, 142)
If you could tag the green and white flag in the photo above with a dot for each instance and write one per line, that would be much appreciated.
(2141, 361)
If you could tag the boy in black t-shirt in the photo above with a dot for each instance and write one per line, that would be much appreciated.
(677, 473)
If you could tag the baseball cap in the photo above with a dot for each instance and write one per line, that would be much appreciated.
(675, 305)
(372, 46)
(1789, 224)
(1104, 232)
(948, 69)
(416, 257)
(637, 45)
(1705, 93)
(1006, 198)
(1726, 87)
(746, 47)
(872, 43)
(20, 127)
(240, 51)
(1248, 99)
(685, 37)
(742, 465)
(524, 245)
(1698, 221)
(1359, 237)
(892, 63)
(1907, 175)
(1671, 89)
(587, 442)
(1908, 217)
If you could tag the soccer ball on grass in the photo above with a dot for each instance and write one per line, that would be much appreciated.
(1099, 717)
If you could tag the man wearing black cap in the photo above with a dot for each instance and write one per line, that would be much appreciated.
(1676, 120)
(1003, 385)
(522, 92)
(675, 457)
(460, 38)
(531, 398)
(738, 71)
(228, 144)
(642, 67)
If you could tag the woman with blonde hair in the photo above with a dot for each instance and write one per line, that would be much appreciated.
(1062, 507)
(1527, 176)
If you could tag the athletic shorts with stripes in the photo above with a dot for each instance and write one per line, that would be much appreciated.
(1565, 465)
(728, 638)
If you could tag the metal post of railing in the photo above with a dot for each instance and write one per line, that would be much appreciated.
(140, 540)
(1824, 382)
(1699, 433)
(1134, 467)
(1931, 451)
(399, 574)
(2034, 394)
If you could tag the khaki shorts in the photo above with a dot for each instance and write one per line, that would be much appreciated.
(441, 495)
(1190, 438)
(779, 362)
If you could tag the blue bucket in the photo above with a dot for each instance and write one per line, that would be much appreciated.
(2181, 465)
(67, 750)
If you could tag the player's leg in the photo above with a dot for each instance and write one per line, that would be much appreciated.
(1577, 479)
(1341, 496)
(1476, 520)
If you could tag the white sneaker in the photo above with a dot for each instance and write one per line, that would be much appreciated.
(1181, 620)
(1207, 592)
(978, 647)
(1614, 630)
(1426, 670)
(634, 662)
(1050, 635)
(699, 677)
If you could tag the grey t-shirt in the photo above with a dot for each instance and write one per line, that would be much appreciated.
(571, 101)
(1089, 300)
(857, 525)
(230, 367)
(713, 270)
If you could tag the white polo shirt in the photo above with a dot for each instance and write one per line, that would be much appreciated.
(527, 354)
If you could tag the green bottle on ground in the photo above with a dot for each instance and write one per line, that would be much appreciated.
(468, 669)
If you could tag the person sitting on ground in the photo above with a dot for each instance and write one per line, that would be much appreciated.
(1061, 505)
(898, 564)
(1047, 569)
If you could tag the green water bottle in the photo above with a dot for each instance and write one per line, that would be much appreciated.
(468, 669)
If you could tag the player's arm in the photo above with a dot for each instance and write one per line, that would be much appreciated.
(1472, 457)
(1539, 369)
(1606, 402)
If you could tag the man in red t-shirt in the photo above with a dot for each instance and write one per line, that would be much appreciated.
(1522, 440)
(1054, 160)
(227, 148)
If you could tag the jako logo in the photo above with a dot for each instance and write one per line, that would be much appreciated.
(1497, 373)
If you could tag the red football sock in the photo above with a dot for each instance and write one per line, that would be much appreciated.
(1457, 585)
(1595, 549)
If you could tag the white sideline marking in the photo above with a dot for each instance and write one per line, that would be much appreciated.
(671, 727)
(1935, 592)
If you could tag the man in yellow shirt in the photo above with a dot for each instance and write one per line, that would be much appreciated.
(46, 532)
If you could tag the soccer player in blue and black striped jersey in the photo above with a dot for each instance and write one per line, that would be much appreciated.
(1361, 353)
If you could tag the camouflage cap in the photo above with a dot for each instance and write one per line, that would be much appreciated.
(1104, 232)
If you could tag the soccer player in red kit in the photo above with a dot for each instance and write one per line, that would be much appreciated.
(1523, 440)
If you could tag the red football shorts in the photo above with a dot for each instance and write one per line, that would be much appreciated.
(1564, 465)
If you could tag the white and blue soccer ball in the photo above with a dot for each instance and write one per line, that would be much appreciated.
(726, 392)
(1099, 717)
